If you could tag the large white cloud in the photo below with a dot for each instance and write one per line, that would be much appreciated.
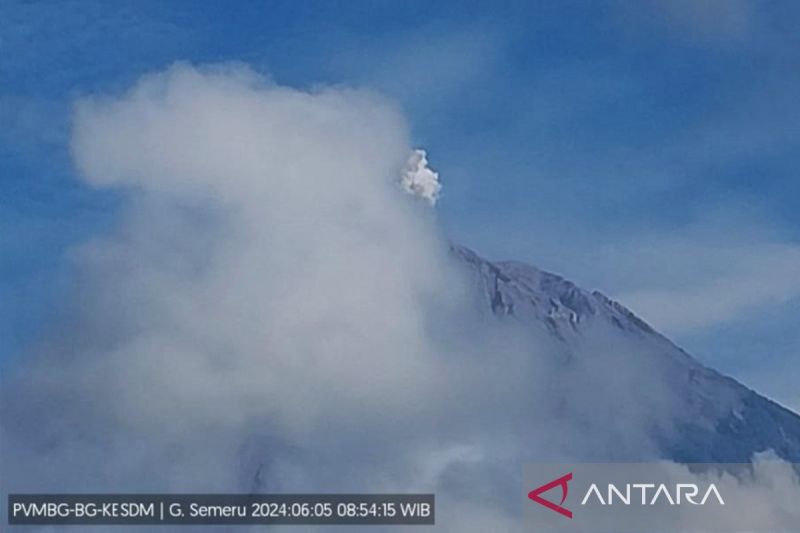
(272, 309)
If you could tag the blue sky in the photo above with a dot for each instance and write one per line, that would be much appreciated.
(648, 149)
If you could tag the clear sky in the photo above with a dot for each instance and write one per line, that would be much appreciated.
(647, 149)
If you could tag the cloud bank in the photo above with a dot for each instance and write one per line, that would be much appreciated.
(272, 313)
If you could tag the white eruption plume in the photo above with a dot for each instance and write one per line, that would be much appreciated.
(419, 179)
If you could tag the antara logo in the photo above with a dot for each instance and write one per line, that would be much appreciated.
(560, 482)
(649, 494)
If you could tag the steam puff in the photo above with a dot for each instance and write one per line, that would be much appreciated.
(420, 180)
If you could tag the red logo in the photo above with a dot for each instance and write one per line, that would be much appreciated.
(560, 482)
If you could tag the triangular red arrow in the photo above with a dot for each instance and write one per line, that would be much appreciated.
(562, 482)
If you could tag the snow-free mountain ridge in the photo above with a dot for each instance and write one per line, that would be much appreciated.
(717, 420)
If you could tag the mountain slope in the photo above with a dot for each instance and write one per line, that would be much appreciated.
(717, 419)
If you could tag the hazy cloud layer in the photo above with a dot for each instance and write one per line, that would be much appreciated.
(709, 22)
(274, 313)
